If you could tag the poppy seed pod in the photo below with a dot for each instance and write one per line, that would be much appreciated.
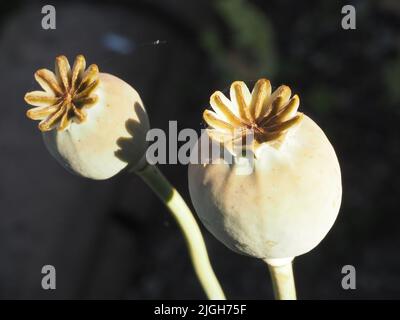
(93, 123)
(290, 199)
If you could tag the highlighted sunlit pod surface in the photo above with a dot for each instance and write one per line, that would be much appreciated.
(85, 116)
(290, 199)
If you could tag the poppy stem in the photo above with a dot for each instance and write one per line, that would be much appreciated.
(281, 271)
(189, 227)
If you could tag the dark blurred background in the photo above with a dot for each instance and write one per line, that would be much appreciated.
(114, 239)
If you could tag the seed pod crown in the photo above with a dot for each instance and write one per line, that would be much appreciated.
(66, 94)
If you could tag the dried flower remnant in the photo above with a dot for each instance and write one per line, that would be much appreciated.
(66, 95)
(267, 116)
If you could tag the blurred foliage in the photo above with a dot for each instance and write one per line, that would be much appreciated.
(391, 77)
(321, 99)
(249, 51)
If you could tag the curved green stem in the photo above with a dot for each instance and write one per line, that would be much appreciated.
(190, 229)
(281, 271)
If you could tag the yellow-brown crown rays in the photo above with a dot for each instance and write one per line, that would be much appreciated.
(241, 96)
(66, 94)
(268, 115)
(262, 90)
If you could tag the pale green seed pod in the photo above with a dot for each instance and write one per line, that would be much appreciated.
(290, 199)
(93, 123)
